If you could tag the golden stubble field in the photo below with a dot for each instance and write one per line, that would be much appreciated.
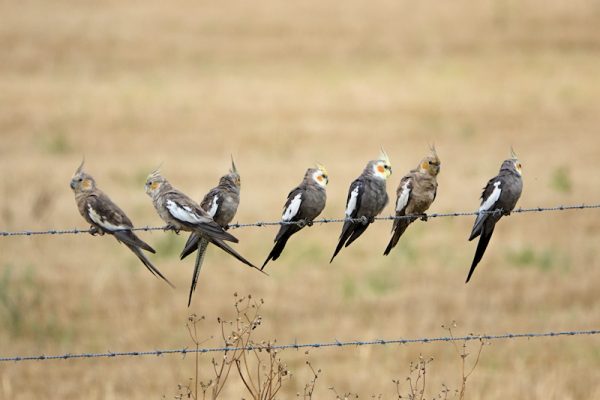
(280, 86)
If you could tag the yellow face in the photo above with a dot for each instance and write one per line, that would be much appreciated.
(431, 165)
(82, 183)
(152, 185)
(518, 166)
(383, 169)
(321, 178)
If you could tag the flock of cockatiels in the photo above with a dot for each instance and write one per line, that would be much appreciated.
(367, 197)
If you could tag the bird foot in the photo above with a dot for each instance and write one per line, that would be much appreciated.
(170, 227)
(95, 231)
(506, 213)
(424, 217)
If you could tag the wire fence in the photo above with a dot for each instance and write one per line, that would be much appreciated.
(297, 346)
(336, 343)
(424, 217)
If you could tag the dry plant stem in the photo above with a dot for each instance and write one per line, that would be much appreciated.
(463, 354)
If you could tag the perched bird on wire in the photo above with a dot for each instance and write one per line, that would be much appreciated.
(104, 216)
(181, 213)
(415, 193)
(367, 197)
(221, 204)
(303, 205)
(500, 195)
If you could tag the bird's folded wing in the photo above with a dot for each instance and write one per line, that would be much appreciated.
(196, 218)
(292, 206)
(354, 197)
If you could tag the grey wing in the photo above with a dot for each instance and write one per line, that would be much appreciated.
(194, 217)
(111, 219)
(489, 199)
(354, 199)
(404, 194)
(212, 201)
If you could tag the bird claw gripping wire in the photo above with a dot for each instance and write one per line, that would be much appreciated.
(170, 227)
(94, 231)
(424, 217)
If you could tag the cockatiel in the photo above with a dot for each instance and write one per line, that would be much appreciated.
(181, 213)
(304, 203)
(501, 193)
(415, 193)
(366, 198)
(221, 204)
(104, 216)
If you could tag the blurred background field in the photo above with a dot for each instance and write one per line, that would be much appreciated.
(282, 85)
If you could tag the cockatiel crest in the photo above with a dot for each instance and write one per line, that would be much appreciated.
(235, 175)
(431, 163)
(81, 181)
(515, 160)
(154, 181)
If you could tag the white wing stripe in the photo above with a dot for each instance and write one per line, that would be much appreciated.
(214, 207)
(351, 206)
(403, 198)
(293, 208)
(491, 201)
(94, 216)
(183, 213)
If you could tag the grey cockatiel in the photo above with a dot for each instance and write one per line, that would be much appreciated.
(182, 213)
(304, 203)
(104, 216)
(221, 204)
(366, 198)
(415, 193)
(501, 193)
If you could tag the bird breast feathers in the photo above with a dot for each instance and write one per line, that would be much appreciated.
(292, 210)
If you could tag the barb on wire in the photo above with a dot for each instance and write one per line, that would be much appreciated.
(297, 346)
(423, 217)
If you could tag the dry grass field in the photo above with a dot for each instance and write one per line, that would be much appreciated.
(282, 85)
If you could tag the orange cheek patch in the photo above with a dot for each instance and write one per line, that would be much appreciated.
(380, 169)
(320, 178)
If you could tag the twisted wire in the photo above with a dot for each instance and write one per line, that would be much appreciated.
(423, 217)
(297, 346)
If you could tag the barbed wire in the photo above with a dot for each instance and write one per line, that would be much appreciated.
(424, 217)
(297, 346)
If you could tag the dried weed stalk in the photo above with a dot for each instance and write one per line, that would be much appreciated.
(257, 364)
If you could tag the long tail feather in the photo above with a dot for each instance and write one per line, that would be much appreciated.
(481, 246)
(226, 248)
(277, 249)
(358, 230)
(346, 232)
(399, 229)
(202, 245)
(131, 239)
(190, 246)
(148, 264)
